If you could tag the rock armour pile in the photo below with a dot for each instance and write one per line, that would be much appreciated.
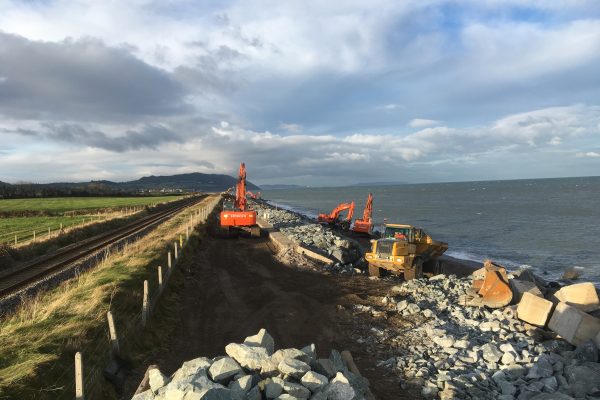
(252, 370)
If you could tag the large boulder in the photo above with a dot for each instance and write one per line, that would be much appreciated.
(224, 369)
(261, 339)
(250, 357)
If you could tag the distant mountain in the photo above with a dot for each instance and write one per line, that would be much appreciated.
(195, 181)
(281, 186)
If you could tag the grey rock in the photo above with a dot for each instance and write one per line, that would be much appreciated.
(296, 390)
(192, 367)
(209, 394)
(310, 351)
(550, 384)
(583, 379)
(587, 352)
(507, 388)
(156, 379)
(261, 339)
(247, 356)
(444, 341)
(254, 394)
(515, 371)
(413, 308)
(325, 367)
(541, 369)
(551, 396)
(293, 367)
(491, 353)
(339, 388)
(272, 387)
(224, 369)
(241, 385)
(290, 353)
(146, 395)
(314, 381)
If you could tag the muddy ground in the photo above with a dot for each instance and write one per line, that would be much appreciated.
(234, 287)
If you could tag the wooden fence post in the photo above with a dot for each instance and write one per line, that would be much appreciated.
(79, 377)
(180, 241)
(160, 279)
(114, 340)
(169, 263)
(187, 233)
(175, 247)
(145, 305)
(34, 236)
(15, 240)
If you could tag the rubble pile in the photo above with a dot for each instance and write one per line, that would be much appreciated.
(253, 370)
(314, 236)
(461, 352)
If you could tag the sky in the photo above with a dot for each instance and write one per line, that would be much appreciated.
(304, 92)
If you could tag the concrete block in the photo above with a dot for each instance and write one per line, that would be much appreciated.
(519, 287)
(313, 254)
(573, 325)
(534, 309)
(582, 296)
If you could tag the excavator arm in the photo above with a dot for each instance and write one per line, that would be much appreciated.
(240, 192)
(333, 217)
(365, 224)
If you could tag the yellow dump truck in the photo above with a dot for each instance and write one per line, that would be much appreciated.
(403, 249)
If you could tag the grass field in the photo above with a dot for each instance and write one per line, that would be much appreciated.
(59, 205)
(23, 227)
(38, 343)
(57, 211)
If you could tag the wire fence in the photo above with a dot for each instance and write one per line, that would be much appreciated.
(54, 226)
(99, 351)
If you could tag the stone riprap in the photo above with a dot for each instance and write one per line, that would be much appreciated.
(459, 352)
(306, 232)
(253, 371)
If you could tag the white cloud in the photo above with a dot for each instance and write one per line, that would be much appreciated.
(588, 154)
(293, 128)
(421, 123)
(346, 68)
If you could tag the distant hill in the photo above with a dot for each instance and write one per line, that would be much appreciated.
(281, 186)
(195, 181)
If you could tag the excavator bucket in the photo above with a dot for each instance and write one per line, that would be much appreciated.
(491, 286)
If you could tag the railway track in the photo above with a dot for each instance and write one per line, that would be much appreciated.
(24, 275)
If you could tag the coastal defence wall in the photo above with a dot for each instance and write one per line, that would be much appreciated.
(283, 243)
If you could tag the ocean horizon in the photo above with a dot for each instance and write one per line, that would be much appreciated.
(548, 224)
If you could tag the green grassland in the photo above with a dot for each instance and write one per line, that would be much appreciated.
(59, 205)
(23, 227)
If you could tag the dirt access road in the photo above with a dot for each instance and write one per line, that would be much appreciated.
(233, 287)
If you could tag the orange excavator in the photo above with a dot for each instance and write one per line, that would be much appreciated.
(333, 218)
(252, 195)
(365, 225)
(235, 214)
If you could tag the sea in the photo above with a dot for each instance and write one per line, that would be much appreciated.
(548, 225)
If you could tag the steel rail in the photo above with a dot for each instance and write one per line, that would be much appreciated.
(15, 279)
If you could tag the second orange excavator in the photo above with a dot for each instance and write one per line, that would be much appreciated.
(365, 225)
(333, 218)
(235, 214)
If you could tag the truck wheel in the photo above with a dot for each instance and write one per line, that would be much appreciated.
(415, 272)
(374, 271)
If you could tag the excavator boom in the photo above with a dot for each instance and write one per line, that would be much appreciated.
(333, 218)
(240, 216)
(365, 225)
